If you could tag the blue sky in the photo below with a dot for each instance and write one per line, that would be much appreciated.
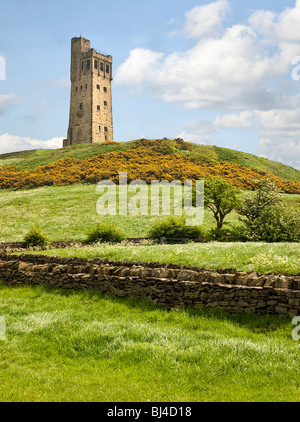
(216, 72)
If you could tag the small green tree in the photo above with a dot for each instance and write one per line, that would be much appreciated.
(266, 218)
(221, 198)
(266, 195)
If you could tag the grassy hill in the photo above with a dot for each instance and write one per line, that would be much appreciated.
(66, 211)
(30, 160)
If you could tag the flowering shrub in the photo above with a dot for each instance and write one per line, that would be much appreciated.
(144, 162)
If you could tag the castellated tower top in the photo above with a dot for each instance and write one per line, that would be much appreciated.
(91, 103)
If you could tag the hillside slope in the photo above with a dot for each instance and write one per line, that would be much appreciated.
(143, 159)
(29, 160)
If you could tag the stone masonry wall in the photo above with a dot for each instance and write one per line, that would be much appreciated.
(168, 285)
(90, 118)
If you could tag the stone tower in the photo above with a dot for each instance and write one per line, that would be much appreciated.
(91, 105)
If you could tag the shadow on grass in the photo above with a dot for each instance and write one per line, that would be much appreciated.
(253, 322)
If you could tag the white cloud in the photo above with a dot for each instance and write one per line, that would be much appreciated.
(59, 83)
(280, 120)
(280, 132)
(205, 20)
(244, 71)
(263, 22)
(285, 151)
(242, 120)
(280, 136)
(12, 143)
(200, 132)
(7, 101)
(283, 26)
(171, 21)
(228, 73)
(237, 70)
(138, 68)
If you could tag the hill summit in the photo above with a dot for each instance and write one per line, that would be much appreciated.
(142, 159)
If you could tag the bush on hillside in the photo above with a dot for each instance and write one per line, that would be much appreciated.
(266, 218)
(35, 237)
(106, 232)
(229, 233)
(175, 228)
(274, 224)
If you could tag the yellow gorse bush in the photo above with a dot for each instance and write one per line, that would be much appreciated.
(141, 163)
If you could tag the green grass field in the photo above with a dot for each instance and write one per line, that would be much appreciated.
(64, 212)
(86, 346)
(69, 212)
(261, 257)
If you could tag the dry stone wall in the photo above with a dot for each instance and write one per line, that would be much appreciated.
(169, 286)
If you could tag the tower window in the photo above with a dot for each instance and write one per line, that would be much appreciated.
(105, 103)
(101, 67)
(96, 64)
(105, 129)
(99, 128)
(76, 88)
(80, 106)
(82, 65)
(104, 89)
(107, 68)
(98, 107)
(98, 86)
(88, 64)
(85, 86)
(80, 87)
